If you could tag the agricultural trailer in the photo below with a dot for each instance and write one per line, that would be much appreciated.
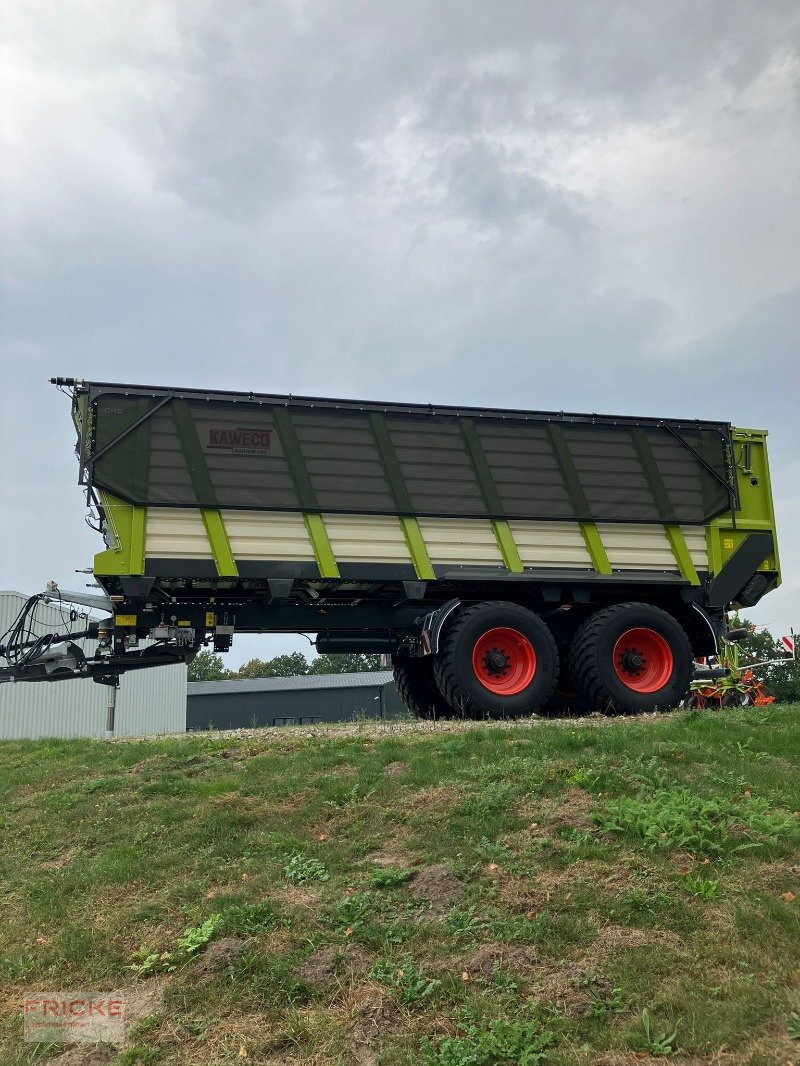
(507, 561)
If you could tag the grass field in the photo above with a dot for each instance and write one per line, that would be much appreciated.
(557, 892)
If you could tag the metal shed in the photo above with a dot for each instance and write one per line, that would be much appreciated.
(149, 701)
(303, 700)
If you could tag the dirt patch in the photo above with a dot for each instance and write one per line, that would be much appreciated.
(430, 799)
(396, 769)
(328, 962)
(372, 1013)
(59, 860)
(344, 769)
(97, 1055)
(781, 876)
(144, 999)
(634, 1058)
(614, 938)
(554, 885)
(388, 857)
(511, 958)
(320, 967)
(571, 810)
(574, 989)
(218, 955)
(435, 885)
(296, 896)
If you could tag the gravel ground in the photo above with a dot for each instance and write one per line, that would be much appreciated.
(394, 727)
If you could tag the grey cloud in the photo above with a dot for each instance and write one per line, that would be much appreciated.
(577, 205)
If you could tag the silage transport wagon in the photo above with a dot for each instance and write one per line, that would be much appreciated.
(505, 559)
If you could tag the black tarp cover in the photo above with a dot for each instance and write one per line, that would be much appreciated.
(259, 454)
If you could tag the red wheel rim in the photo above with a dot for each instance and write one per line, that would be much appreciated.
(504, 661)
(643, 660)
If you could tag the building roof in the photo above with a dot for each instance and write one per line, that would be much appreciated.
(302, 682)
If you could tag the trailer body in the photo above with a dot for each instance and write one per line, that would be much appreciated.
(365, 522)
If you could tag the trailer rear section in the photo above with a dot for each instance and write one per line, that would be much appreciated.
(507, 561)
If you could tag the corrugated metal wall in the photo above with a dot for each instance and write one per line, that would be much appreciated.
(148, 701)
(242, 710)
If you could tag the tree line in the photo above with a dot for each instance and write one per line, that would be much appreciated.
(208, 666)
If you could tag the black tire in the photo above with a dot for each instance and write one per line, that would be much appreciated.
(735, 698)
(456, 674)
(655, 680)
(416, 687)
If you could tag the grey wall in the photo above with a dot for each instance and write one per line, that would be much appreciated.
(241, 710)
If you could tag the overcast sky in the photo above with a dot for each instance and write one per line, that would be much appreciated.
(587, 206)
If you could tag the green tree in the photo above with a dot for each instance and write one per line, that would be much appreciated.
(280, 666)
(206, 666)
(354, 663)
(781, 680)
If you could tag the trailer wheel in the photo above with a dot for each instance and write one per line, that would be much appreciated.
(496, 659)
(416, 687)
(632, 658)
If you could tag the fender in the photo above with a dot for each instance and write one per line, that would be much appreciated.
(432, 626)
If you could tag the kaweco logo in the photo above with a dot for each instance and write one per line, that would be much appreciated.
(240, 441)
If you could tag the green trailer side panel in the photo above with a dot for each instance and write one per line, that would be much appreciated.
(491, 497)
(138, 538)
(680, 550)
(578, 502)
(318, 534)
(397, 486)
(417, 549)
(201, 482)
(655, 482)
(323, 552)
(298, 470)
(595, 547)
(220, 545)
(507, 545)
(127, 525)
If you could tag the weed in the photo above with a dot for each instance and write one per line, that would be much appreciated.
(390, 878)
(301, 869)
(140, 1055)
(518, 927)
(364, 916)
(522, 1042)
(504, 981)
(196, 937)
(405, 981)
(463, 920)
(249, 919)
(658, 1044)
(351, 797)
(680, 818)
(191, 940)
(703, 887)
(793, 1025)
(602, 1001)
(147, 962)
(582, 777)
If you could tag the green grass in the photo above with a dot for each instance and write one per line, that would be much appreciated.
(624, 887)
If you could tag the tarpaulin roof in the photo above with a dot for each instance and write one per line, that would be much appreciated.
(188, 448)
